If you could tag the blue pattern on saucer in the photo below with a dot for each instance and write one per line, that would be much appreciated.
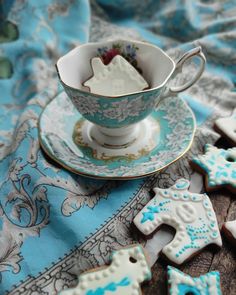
(60, 116)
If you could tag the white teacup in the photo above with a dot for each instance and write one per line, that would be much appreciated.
(117, 118)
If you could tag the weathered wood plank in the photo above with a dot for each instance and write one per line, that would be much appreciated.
(225, 260)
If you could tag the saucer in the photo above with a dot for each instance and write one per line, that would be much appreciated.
(163, 137)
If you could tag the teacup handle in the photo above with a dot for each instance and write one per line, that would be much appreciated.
(191, 53)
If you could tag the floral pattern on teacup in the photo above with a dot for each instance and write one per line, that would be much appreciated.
(111, 112)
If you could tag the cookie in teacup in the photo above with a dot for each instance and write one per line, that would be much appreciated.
(117, 78)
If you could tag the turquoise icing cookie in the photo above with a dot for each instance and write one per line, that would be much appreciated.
(219, 166)
(128, 269)
(190, 214)
(182, 284)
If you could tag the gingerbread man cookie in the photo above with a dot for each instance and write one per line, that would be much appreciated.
(229, 229)
(182, 284)
(219, 166)
(129, 268)
(227, 127)
(190, 214)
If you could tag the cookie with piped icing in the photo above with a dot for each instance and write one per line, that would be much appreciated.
(227, 128)
(180, 283)
(119, 77)
(229, 229)
(218, 166)
(128, 269)
(190, 214)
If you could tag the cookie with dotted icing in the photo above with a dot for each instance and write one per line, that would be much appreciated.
(229, 229)
(190, 214)
(227, 127)
(180, 283)
(128, 269)
(119, 77)
(219, 167)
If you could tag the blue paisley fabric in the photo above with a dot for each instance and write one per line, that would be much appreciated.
(54, 224)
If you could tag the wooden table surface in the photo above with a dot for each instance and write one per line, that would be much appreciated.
(223, 260)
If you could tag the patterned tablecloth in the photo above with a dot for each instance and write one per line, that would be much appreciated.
(54, 224)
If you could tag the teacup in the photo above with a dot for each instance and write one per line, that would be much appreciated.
(117, 118)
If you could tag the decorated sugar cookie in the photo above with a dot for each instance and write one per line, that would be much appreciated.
(229, 229)
(128, 269)
(119, 77)
(227, 127)
(219, 167)
(181, 284)
(190, 214)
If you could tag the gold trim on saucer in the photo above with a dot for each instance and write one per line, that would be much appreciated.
(113, 177)
(78, 140)
(65, 166)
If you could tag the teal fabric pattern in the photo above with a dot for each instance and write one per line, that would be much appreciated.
(53, 223)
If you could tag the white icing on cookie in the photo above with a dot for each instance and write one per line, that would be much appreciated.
(227, 126)
(182, 284)
(231, 227)
(190, 214)
(186, 212)
(129, 268)
(219, 166)
(119, 77)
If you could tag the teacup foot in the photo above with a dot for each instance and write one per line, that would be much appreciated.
(131, 142)
(115, 138)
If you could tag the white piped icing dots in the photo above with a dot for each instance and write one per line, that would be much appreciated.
(219, 165)
(182, 284)
(227, 127)
(190, 214)
(129, 268)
